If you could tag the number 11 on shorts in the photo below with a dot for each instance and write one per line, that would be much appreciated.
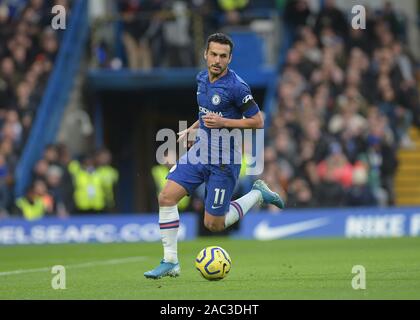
(216, 197)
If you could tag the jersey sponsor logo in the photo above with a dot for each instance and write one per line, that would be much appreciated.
(263, 231)
(205, 110)
(247, 98)
(216, 207)
(215, 99)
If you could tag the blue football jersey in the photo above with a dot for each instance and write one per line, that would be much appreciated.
(229, 97)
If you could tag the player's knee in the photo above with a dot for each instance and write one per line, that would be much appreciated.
(165, 200)
(214, 227)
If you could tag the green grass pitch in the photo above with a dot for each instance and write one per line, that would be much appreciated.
(281, 269)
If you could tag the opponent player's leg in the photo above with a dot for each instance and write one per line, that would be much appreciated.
(170, 195)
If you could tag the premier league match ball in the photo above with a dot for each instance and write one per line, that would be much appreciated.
(213, 263)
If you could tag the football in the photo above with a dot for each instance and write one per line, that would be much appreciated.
(213, 263)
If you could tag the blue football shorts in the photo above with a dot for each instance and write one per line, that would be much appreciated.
(220, 181)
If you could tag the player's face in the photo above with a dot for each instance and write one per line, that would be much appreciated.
(218, 56)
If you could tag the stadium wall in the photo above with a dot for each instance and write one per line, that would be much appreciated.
(83, 229)
(369, 222)
(302, 223)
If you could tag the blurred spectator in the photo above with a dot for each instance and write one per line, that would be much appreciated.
(136, 16)
(306, 164)
(177, 36)
(159, 173)
(331, 17)
(8, 80)
(399, 117)
(66, 184)
(108, 175)
(89, 195)
(40, 169)
(5, 195)
(336, 167)
(310, 50)
(390, 17)
(51, 154)
(272, 175)
(330, 192)
(382, 161)
(360, 194)
(245, 181)
(5, 26)
(49, 44)
(206, 10)
(300, 194)
(359, 39)
(347, 119)
(30, 206)
(296, 13)
(41, 192)
(232, 11)
(57, 190)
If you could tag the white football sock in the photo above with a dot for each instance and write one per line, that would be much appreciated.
(241, 206)
(169, 224)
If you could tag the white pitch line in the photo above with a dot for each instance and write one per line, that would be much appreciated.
(76, 266)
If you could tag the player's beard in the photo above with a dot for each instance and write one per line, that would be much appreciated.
(217, 73)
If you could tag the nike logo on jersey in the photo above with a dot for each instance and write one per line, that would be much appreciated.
(216, 207)
(263, 231)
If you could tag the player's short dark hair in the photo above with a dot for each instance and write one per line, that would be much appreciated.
(220, 38)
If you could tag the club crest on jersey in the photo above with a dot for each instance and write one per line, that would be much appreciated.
(215, 99)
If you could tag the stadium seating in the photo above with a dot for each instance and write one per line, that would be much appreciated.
(27, 53)
(39, 87)
(303, 96)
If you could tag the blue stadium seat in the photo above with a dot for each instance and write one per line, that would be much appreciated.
(249, 50)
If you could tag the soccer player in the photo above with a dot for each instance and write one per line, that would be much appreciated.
(225, 101)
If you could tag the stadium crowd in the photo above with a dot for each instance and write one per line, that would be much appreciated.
(345, 100)
(157, 33)
(62, 185)
(27, 52)
(28, 48)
